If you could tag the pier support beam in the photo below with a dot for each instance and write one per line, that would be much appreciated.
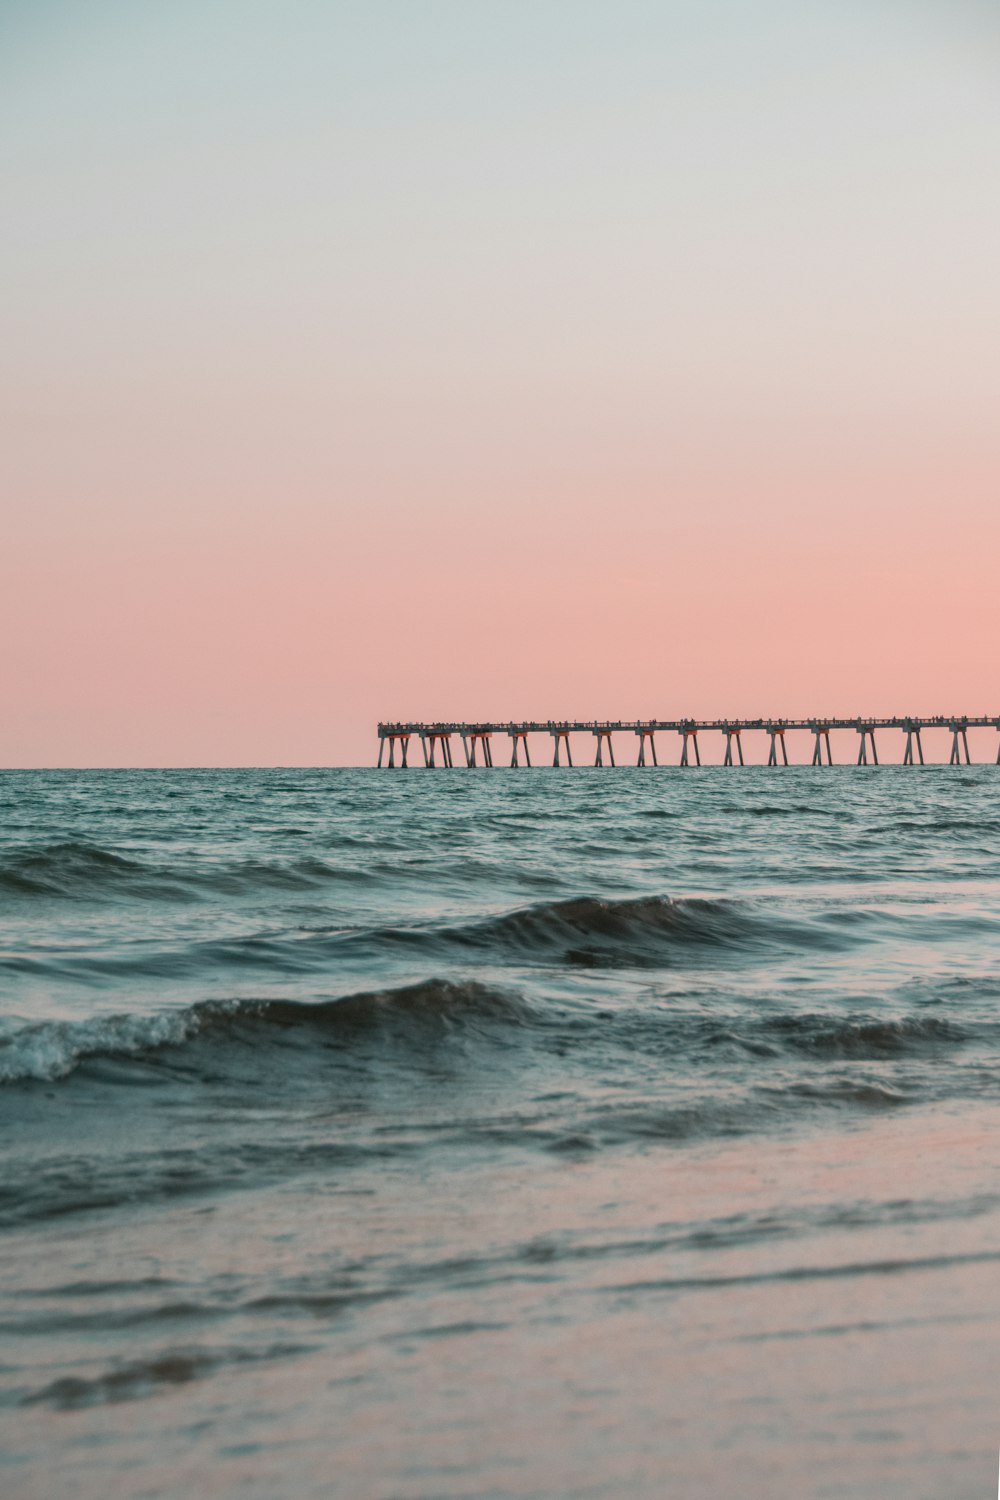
(432, 739)
(913, 740)
(959, 735)
(645, 734)
(515, 736)
(563, 735)
(732, 734)
(821, 733)
(867, 733)
(601, 736)
(403, 741)
(776, 735)
(689, 734)
(480, 737)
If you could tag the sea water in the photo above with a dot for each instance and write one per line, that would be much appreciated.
(521, 1133)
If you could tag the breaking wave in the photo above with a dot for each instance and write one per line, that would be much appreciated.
(49, 1050)
(424, 1013)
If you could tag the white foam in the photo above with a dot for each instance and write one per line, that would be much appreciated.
(48, 1050)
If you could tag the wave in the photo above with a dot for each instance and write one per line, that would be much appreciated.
(585, 931)
(705, 1040)
(588, 931)
(50, 1050)
(422, 1013)
(46, 1050)
(896, 1266)
(395, 1073)
(134, 1379)
(62, 869)
(78, 871)
(862, 1036)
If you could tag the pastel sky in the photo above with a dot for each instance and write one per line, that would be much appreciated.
(514, 358)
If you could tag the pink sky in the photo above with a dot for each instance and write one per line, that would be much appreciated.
(388, 369)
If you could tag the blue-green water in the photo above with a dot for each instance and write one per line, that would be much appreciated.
(500, 1133)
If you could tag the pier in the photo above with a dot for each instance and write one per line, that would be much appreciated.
(435, 740)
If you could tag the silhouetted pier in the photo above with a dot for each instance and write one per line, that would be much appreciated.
(435, 740)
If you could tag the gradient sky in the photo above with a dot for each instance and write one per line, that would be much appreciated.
(454, 358)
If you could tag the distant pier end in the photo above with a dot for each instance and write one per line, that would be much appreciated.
(436, 740)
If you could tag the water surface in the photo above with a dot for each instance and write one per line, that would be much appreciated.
(500, 1133)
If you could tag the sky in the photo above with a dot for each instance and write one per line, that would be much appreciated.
(392, 359)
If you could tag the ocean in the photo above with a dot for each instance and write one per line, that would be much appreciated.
(500, 1133)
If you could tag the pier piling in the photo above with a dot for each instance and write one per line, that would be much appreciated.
(563, 735)
(603, 736)
(644, 735)
(517, 735)
(821, 733)
(402, 739)
(959, 738)
(690, 733)
(912, 742)
(867, 732)
(470, 739)
(777, 732)
(731, 734)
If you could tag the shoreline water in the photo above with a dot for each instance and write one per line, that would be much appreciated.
(680, 1315)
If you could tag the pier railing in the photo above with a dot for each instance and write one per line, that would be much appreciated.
(435, 740)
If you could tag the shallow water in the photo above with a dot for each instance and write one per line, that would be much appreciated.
(500, 1133)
